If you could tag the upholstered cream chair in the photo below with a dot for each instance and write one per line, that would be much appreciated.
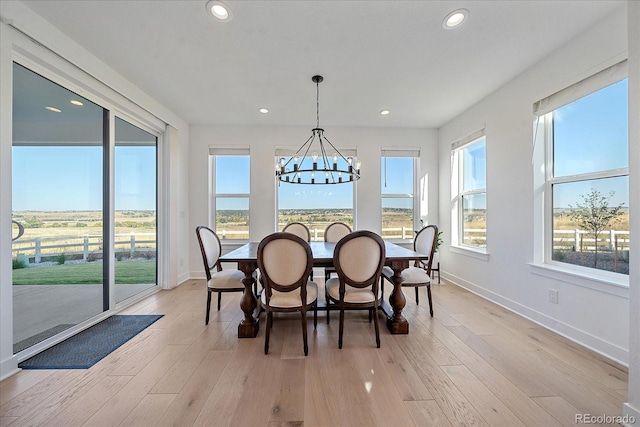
(333, 233)
(358, 258)
(219, 280)
(299, 229)
(285, 262)
(419, 274)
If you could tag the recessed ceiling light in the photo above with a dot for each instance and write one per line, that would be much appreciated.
(263, 110)
(219, 10)
(76, 102)
(54, 109)
(384, 112)
(455, 19)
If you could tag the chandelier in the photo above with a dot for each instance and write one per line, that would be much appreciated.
(321, 166)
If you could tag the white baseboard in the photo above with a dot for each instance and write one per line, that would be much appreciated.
(182, 278)
(630, 415)
(9, 367)
(600, 346)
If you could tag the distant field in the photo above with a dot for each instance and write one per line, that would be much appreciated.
(235, 224)
(561, 220)
(79, 223)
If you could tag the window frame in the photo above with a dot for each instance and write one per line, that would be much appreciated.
(544, 180)
(221, 151)
(414, 155)
(457, 189)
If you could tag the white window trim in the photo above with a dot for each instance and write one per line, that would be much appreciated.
(457, 246)
(213, 196)
(543, 264)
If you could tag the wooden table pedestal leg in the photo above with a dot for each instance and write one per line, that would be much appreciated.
(249, 326)
(396, 323)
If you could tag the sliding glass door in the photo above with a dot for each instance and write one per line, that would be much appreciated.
(83, 208)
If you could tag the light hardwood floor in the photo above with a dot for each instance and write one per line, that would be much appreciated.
(473, 363)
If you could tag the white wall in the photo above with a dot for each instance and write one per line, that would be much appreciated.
(53, 44)
(632, 408)
(597, 318)
(262, 142)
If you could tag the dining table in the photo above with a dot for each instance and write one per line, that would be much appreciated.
(396, 257)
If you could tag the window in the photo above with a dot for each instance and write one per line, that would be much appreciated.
(469, 185)
(231, 183)
(397, 188)
(587, 176)
(316, 205)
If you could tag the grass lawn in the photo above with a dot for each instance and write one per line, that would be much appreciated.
(129, 272)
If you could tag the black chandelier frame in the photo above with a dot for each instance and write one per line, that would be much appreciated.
(323, 172)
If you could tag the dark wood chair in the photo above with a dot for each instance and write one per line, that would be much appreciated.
(358, 259)
(219, 280)
(420, 273)
(333, 233)
(285, 262)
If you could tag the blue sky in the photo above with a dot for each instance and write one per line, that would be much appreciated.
(590, 135)
(70, 178)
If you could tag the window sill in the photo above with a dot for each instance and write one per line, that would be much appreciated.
(611, 284)
(470, 252)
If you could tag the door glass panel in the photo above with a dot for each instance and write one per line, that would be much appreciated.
(135, 210)
(57, 208)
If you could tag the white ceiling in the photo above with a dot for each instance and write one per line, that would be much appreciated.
(373, 55)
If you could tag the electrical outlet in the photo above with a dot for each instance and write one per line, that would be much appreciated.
(553, 296)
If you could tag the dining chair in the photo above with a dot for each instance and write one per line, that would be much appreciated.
(358, 258)
(419, 274)
(333, 233)
(219, 280)
(300, 230)
(285, 262)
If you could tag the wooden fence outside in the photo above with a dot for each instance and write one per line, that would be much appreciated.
(83, 247)
(137, 243)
